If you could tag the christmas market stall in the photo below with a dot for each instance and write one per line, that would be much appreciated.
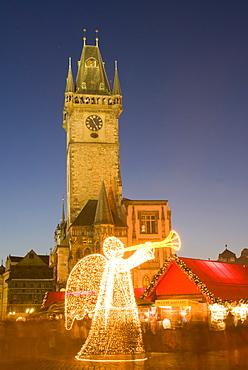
(187, 291)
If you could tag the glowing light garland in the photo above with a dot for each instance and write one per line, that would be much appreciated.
(103, 286)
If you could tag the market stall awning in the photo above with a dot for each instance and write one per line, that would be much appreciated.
(53, 297)
(215, 280)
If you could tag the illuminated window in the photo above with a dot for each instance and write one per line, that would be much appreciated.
(148, 222)
(91, 62)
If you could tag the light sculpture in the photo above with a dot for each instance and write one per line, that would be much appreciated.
(102, 285)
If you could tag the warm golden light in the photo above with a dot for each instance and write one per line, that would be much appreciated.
(172, 241)
(103, 285)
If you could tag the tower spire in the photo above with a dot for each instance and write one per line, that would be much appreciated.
(63, 211)
(69, 80)
(116, 85)
(103, 212)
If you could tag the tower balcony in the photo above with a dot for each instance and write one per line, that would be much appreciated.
(86, 99)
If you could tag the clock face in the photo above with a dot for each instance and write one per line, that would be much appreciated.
(94, 123)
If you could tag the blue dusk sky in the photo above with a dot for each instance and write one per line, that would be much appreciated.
(183, 67)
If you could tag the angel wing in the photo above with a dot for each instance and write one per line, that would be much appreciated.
(82, 288)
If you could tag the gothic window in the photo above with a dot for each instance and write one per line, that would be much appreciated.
(78, 254)
(97, 247)
(87, 251)
(148, 222)
(145, 281)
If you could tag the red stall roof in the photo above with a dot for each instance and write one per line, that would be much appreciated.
(216, 280)
(53, 297)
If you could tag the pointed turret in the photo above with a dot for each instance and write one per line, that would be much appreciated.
(69, 80)
(103, 214)
(91, 76)
(116, 86)
(63, 212)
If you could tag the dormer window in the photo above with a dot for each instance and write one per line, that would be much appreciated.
(83, 85)
(91, 62)
(101, 86)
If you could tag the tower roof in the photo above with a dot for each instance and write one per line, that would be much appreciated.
(103, 211)
(91, 76)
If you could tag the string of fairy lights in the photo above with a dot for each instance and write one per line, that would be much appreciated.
(102, 286)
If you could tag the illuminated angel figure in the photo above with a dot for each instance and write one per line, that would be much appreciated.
(103, 286)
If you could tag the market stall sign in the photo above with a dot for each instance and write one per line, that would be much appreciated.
(175, 302)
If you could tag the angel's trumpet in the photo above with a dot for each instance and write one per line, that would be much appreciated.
(172, 241)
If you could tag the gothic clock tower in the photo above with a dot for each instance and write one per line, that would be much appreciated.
(94, 189)
(91, 112)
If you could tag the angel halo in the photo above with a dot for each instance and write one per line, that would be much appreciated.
(102, 286)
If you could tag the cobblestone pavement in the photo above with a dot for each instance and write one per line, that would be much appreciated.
(45, 345)
(211, 360)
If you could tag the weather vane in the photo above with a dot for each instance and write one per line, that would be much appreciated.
(84, 38)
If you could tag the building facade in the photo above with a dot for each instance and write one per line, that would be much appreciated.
(95, 208)
(24, 282)
(230, 257)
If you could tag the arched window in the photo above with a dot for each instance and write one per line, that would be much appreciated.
(97, 247)
(145, 281)
(78, 254)
(31, 255)
(87, 251)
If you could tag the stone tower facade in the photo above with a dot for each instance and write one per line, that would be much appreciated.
(91, 112)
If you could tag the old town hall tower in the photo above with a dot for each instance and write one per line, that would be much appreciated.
(95, 208)
(91, 113)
